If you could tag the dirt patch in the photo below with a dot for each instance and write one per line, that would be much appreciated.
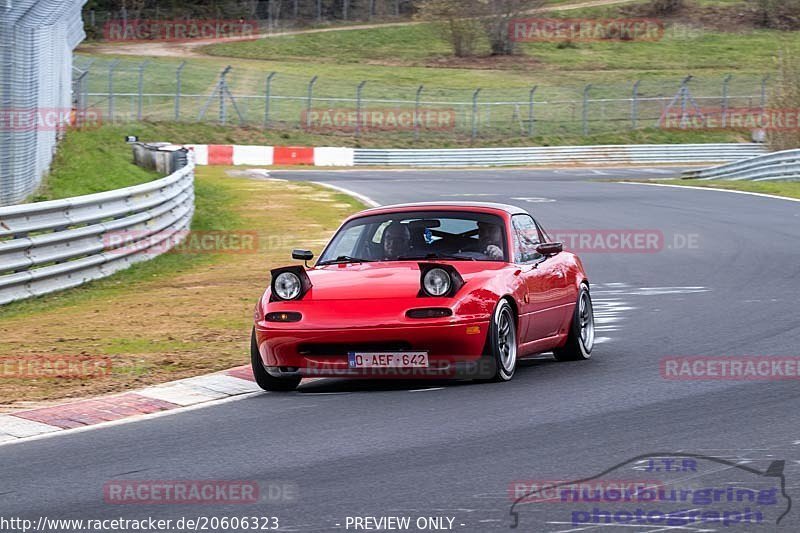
(487, 62)
(727, 18)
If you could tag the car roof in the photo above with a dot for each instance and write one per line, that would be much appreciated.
(483, 207)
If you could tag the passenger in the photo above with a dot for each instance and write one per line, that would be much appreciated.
(396, 241)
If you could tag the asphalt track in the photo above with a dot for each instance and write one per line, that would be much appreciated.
(724, 284)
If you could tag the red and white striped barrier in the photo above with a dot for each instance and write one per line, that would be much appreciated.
(226, 154)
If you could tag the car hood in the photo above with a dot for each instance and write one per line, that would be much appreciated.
(396, 279)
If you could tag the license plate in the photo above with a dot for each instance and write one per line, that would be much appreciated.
(388, 359)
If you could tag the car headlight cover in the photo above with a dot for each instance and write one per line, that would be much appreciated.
(287, 286)
(437, 282)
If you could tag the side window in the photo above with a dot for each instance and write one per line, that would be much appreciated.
(526, 238)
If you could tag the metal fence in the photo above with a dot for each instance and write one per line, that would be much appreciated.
(129, 90)
(778, 166)
(36, 43)
(54, 245)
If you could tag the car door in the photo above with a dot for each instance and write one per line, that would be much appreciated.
(565, 283)
(544, 281)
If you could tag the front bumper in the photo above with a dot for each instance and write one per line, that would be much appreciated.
(451, 346)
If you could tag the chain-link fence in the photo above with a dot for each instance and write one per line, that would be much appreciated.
(128, 90)
(36, 43)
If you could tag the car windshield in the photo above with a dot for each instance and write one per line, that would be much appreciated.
(409, 236)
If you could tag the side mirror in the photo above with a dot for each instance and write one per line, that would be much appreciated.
(302, 255)
(550, 248)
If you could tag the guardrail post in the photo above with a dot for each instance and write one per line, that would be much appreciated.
(585, 112)
(725, 85)
(309, 104)
(268, 98)
(475, 113)
(142, 66)
(635, 105)
(530, 110)
(113, 65)
(416, 112)
(178, 73)
(359, 89)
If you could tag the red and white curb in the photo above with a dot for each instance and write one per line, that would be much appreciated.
(77, 414)
(228, 154)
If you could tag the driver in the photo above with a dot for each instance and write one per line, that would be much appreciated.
(490, 237)
(396, 241)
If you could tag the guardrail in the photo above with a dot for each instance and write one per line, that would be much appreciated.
(561, 155)
(777, 166)
(54, 245)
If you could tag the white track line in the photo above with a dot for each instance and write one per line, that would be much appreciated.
(133, 419)
(712, 189)
(358, 196)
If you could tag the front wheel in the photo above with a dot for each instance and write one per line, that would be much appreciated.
(580, 339)
(263, 378)
(503, 341)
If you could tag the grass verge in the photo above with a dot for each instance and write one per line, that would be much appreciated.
(179, 315)
(97, 173)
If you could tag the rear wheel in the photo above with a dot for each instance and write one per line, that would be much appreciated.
(580, 340)
(263, 378)
(503, 341)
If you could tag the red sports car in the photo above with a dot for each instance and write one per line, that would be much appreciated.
(424, 290)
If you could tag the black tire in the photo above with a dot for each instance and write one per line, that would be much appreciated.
(264, 380)
(580, 339)
(502, 342)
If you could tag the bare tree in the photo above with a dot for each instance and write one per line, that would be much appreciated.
(666, 7)
(449, 16)
(496, 17)
(465, 22)
(784, 98)
(778, 14)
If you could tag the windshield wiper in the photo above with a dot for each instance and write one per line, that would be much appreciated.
(434, 256)
(346, 259)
